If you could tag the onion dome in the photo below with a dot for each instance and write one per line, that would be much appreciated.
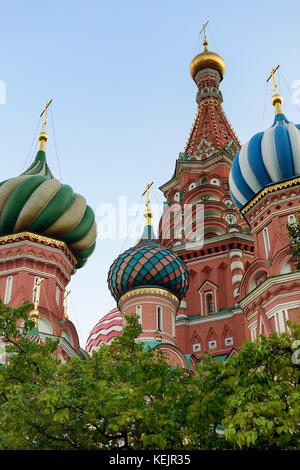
(107, 328)
(148, 264)
(37, 202)
(268, 158)
(207, 59)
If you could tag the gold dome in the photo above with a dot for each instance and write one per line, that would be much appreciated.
(207, 59)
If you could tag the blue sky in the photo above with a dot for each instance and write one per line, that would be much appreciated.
(123, 99)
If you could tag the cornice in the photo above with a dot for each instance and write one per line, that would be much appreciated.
(41, 239)
(269, 189)
(286, 305)
(280, 212)
(36, 272)
(208, 318)
(226, 237)
(148, 291)
(223, 156)
(266, 284)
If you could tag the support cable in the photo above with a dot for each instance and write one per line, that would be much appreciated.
(55, 144)
(33, 147)
(291, 95)
(264, 111)
(215, 45)
(77, 324)
(50, 316)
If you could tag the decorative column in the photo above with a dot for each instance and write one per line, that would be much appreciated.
(237, 269)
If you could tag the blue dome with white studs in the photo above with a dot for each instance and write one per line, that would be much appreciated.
(269, 157)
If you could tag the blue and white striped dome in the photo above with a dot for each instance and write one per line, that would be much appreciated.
(269, 157)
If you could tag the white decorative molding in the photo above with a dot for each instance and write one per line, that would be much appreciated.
(159, 342)
(236, 292)
(35, 258)
(208, 318)
(237, 278)
(235, 252)
(269, 217)
(266, 284)
(284, 306)
(236, 265)
(33, 271)
(254, 314)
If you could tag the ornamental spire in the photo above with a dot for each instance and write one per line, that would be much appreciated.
(211, 131)
(276, 99)
(43, 137)
(148, 211)
(148, 233)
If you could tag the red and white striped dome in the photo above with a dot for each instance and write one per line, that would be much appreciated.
(105, 330)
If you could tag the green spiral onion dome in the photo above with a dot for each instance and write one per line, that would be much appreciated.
(37, 202)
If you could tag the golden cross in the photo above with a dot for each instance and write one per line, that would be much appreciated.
(66, 303)
(147, 191)
(203, 31)
(45, 114)
(272, 75)
(36, 289)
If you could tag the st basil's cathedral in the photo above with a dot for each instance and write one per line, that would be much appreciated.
(209, 280)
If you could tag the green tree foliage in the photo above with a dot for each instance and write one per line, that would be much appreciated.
(125, 395)
(128, 396)
(294, 233)
(262, 411)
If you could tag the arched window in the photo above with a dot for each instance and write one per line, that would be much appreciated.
(159, 318)
(209, 303)
(208, 298)
(44, 325)
(204, 180)
(287, 267)
(253, 331)
(292, 219)
(266, 241)
(139, 313)
(215, 181)
(180, 232)
(68, 336)
(57, 295)
(8, 289)
(228, 203)
(280, 318)
(257, 279)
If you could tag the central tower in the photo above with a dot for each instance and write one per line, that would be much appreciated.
(201, 223)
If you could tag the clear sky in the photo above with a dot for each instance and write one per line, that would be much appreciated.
(123, 99)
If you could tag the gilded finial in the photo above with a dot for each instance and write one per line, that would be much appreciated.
(66, 304)
(34, 314)
(276, 99)
(43, 137)
(148, 212)
(205, 43)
